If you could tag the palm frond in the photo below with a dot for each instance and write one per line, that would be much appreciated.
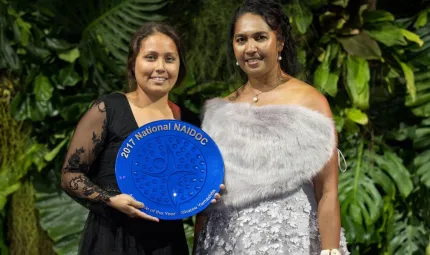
(106, 24)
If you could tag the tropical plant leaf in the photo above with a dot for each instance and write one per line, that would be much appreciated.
(361, 45)
(326, 80)
(394, 167)
(300, 14)
(359, 198)
(343, 3)
(377, 16)
(108, 23)
(387, 34)
(422, 161)
(357, 116)
(412, 37)
(421, 105)
(62, 218)
(422, 18)
(406, 238)
(8, 57)
(358, 76)
(409, 77)
(115, 26)
(43, 88)
(70, 56)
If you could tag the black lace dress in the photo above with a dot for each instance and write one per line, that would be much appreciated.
(89, 178)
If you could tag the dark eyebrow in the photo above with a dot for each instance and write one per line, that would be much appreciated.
(254, 33)
(156, 53)
(151, 52)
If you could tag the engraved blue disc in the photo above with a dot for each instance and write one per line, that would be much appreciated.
(172, 167)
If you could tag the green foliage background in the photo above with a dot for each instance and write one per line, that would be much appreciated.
(371, 63)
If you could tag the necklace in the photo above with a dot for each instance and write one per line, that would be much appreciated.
(255, 98)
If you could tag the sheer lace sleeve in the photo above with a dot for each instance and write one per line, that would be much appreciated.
(87, 142)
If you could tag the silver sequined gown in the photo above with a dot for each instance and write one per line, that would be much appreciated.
(282, 223)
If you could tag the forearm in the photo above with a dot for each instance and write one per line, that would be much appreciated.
(329, 221)
(200, 223)
(83, 190)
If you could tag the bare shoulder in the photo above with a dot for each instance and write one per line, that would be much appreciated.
(231, 97)
(307, 96)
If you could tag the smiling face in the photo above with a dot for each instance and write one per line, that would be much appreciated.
(255, 45)
(157, 65)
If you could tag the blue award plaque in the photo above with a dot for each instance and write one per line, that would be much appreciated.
(172, 167)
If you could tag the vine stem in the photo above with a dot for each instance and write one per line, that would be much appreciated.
(357, 168)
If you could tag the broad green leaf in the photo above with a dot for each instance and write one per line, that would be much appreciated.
(351, 127)
(325, 80)
(409, 76)
(339, 122)
(393, 165)
(61, 217)
(301, 15)
(332, 81)
(422, 137)
(422, 158)
(377, 16)
(68, 77)
(42, 88)
(343, 3)
(7, 54)
(45, 108)
(387, 34)
(38, 52)
(412, 37)
(74, 111)
(58, 44)
(358, 196)
(24, 29)
(421, 99)
(424, 174)
(116, 24)
(406, 238)
(361, 45)
(382, 179)
(358, 76)
(70, 56)
(321, 76)
(354, 231)
(6, 191)
(52, 154)
(422, 18)
(357, 116)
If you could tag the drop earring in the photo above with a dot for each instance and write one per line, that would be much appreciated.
(237, 63)
(280, 58)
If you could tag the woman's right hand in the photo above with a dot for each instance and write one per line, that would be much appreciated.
(128, 205)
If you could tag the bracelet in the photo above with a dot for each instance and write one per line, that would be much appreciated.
(330, 252)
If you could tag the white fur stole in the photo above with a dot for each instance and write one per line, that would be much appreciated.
(267, 150)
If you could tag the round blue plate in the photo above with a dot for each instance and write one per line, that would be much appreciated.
(172, 167)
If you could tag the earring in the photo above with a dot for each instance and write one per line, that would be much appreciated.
(237, 63)
(280, 58)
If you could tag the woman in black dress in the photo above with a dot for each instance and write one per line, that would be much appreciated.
(115, 224)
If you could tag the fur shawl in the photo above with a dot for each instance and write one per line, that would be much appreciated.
(267, 150)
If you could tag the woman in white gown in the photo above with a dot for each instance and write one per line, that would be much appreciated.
(278, 141)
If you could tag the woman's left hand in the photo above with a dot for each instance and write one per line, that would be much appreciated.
(217, 195)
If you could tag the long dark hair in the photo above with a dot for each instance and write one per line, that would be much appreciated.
(278, 21)
(143, 32)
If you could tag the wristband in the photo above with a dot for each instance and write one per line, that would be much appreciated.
(330, 252)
